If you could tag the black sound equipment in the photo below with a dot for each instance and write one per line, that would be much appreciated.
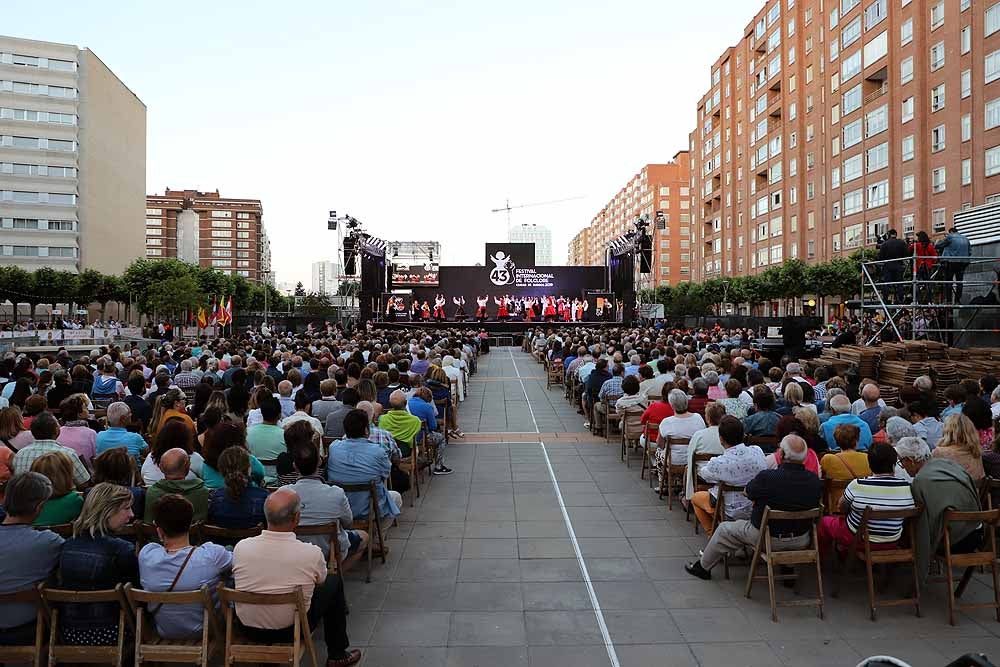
(645, 253)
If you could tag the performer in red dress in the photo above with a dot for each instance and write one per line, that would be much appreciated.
(529, 312)
(550, 308)
(581, 307)
(502, 313)
(425, 311)
(565, 313)
(439, 302)
(481, 309)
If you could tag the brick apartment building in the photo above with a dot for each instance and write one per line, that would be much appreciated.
(657, 187)
(209, 230)
(831, 122)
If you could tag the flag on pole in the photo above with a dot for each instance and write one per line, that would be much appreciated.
(229, 311)
(202, 317)
(215, 314)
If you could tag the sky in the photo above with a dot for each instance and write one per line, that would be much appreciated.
(416, 118)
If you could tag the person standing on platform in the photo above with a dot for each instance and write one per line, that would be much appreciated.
(439, 302)
(460, 312)
(502, 313)
(414, 311)
(425, 312)
(481, 308)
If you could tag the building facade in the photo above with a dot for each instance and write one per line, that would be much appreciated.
(72, 160)
(540, 235)
(662, 188)
(831, 122)
(326, 277)
(209, 230)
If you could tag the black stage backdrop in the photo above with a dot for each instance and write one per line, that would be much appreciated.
(573, 282)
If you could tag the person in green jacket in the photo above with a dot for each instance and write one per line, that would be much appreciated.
(65, 503)
(176, 465)
(403, 426)
(938, 485)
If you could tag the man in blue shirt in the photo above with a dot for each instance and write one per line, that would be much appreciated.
(119, 415)
(840, 408)
(421, 405)
(955, 251)
(357, 460)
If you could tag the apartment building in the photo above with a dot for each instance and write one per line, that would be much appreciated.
(326, 277)
(540, 235)
(72, 160)
(831, 122)
(656, 188)
(209, 230)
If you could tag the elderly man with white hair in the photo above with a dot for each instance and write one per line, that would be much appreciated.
(454, 373)
(789, 487)
(185, 378)
(939, 485)
(840, 408)
(117, 435)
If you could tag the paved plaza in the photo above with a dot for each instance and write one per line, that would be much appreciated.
(483, 571)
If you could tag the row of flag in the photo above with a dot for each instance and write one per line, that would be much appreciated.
(222, 314)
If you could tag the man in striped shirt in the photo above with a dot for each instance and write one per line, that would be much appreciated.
(880, 491)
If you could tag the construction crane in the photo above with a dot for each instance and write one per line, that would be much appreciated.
(508, 208)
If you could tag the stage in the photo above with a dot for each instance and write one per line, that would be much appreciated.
(508, 328)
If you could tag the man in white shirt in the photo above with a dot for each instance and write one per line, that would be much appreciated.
(303, 409)
(737, 465)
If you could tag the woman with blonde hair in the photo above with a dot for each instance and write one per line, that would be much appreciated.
(170, 405)
(94, 560)
(65, 503)
(960, 443)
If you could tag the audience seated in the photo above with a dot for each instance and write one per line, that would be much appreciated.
(266, 440)
(75, 431)
(276, 562)
(117, 467)
(705, 441)
(219, 438)
(175, 565)
(174, 434)
(840, 407)
(960, 443)
(238, 504)
(357, 460)
(682, 424)
(65, 503)
(45, 430)
(119, 416)
(349, 399)
(764, 420)
(736, 466)
(94, 560)
(176, 466)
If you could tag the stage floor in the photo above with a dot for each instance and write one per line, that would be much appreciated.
(510, 327)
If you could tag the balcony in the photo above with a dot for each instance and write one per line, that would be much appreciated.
(877, 93)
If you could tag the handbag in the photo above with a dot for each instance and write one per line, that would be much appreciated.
(177, 577)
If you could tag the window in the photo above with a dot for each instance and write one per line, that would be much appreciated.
(993, 161)
(878, 194)
(246, 225)
(937, 97)
(878, 157)
(852, 134)
(221, 233)
(154, 222)
(906, 70)
(937, 15)
(907, 152)
(906, 32)
(154, 241)
(222, 223)
(966, 39)
(62, 225)
(876, 121)
(221, 262)
(939, 179)
(992, 19)
(939, 220)
(907, 109)
(850, 33)
(993, 111)
(966, 171)
(876, 48)
(810, 249)
(848, 5)
(154, 231)
(908, 187)
(937, 56)
(852, 100)
(909, 226)
(993, 66)
(154, 252)
(853, 202)
(850, 66)
(874, 13)
(852, 236)
(966, 83)
(242, 235)
(937, 139)
(967, 127)
(154, 211)
(852, 168)
(222, 253)
(222, 214)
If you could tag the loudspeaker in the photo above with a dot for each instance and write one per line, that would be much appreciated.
(645, 254)
(793, 333)
(372, 274)
(350, 254)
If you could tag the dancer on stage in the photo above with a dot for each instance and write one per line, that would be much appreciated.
(439, 302)
(580, 307)
(390, 309)
(425, 311)
(460, 313)
(502, 313)
(565, 311)
(415, 311)
(481, 308)
(550, 308)
(529, 313)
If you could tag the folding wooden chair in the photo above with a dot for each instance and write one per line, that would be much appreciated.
(872, 554)
(554, 374)
(225, 536)
(33, 653)
(442, 404)
(373, 524)
(763, 552)
(331, 531)
(719, 515)
(833, 491)
(652, 433)
(699, 483)
(673, 476)
(983, 557)
(610, 415)
(240, 648)
(114, 654)
(632, 430)
(64, 530)
(151, 647)
(768, 443)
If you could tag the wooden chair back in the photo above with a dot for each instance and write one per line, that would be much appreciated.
(673, 476)
(610, 415)
(331, 531)
(151, 647)
(985, 556)
(372, 524)
(27, 653)
(226, 536)
(764, 552)
(768, 443)
(632, 426)
(833, 491)
(442, 405)
(652, 433)
(54, 598)
(239, 648)
(64, 530)
(696, 461)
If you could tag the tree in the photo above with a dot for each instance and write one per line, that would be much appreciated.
(315, 303)
(174, 296)
(110, 289)
(299, 289)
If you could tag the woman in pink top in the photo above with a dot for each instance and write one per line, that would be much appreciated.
(12, 431)
(75, 433)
